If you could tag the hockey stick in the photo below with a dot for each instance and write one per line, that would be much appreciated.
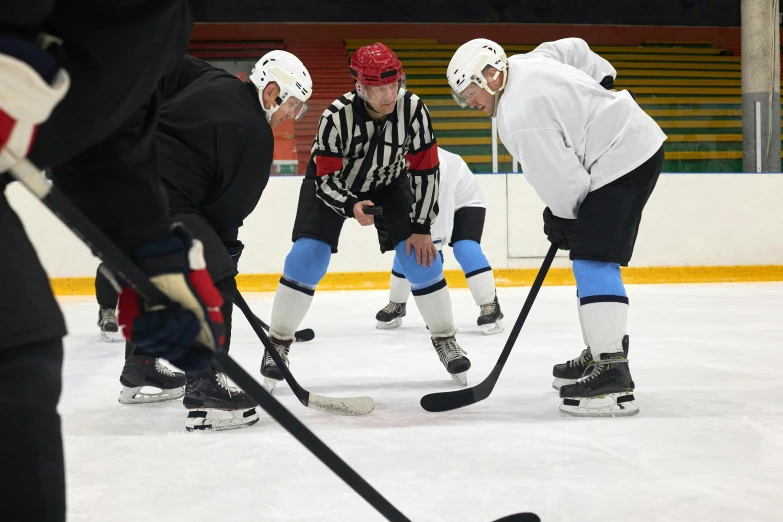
(26, 173)
(29, 176)
(446, 401)
(301, 336)
(337, 406)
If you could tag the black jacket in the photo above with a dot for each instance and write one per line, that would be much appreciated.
(214, 145)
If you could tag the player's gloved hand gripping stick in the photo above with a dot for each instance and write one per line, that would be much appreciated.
(26, 173)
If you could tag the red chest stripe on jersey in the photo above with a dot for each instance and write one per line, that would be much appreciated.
(327, 165)
(423, 160)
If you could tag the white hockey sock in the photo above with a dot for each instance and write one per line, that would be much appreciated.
(604, 324)
(482, 286)
(399, 289)
(434, 304)
(582, 322)
(289, 309)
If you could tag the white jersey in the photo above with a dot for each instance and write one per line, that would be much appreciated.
(458, 189)
(570, 135)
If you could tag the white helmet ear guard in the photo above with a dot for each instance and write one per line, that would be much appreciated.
(290, 75)
(468, 64)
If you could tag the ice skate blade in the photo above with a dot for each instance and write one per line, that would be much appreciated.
(210, 419)
(146, 395)
(269, 384)
(394, 323)
(460, 378)
(558, 382)
(108, 337)
(610, 405)
(493, 328)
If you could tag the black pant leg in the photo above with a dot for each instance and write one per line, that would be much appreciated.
(315, 219)
(28, 311)
(394, 226)
(104, 291)
(32, 480)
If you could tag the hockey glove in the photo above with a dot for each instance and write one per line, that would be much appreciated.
(184, 332)
(559, 231)
(32, 83)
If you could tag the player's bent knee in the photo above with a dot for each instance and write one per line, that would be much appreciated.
(307, 261)
(598, 278)
(419, 276)
(469, 255)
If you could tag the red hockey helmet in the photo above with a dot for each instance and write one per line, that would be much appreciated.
(376, 64)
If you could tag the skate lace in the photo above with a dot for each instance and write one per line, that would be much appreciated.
(392, 307)
(108, 316)
(448, 349)
(282, 350)
(488, 309)
(163, 369)
(222, 381)
(585, 358)
(600, 367)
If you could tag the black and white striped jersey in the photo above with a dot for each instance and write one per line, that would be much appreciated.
(352, 154)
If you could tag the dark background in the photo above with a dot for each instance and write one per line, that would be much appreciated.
(626, 12)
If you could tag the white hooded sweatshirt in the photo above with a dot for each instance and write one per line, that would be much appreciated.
(570, 135)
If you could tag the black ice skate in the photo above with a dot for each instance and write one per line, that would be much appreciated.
(573, 370)
(453, 358)
(606, 392)
(390, 316)
(107, 322)
(145, 379)
(270, 371)
(214, 405)
(490, 319)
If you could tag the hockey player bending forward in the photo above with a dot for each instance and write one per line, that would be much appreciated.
(365, 138)
(215, 147)
(460, 223)
(594, 157)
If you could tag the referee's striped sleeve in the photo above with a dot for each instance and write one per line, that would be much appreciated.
(328, 155)
(424, 170)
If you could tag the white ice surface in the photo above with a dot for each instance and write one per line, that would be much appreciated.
(706, 446)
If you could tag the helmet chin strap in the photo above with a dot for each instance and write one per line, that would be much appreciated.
(270, 111)
(496, 94)
(370, 107)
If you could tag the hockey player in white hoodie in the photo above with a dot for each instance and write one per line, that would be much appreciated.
(460, 224)
(594, 157)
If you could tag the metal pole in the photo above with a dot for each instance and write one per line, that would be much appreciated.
(760, 85)
(494, 145)
(758, 136)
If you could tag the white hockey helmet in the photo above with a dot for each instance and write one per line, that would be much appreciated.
(289, 73)
(467, 66)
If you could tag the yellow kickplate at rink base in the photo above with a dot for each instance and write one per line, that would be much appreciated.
(503, 278)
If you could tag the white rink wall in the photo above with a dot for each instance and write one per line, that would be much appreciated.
(691, 220)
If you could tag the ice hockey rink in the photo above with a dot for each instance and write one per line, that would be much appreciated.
(707, 445)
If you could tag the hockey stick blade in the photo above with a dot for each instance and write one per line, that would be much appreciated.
(301, 336)
(447, 401)
(335, 405)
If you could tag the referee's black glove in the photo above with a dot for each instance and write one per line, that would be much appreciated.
(559, 231)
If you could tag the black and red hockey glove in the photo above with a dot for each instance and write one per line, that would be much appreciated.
(187, 331)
